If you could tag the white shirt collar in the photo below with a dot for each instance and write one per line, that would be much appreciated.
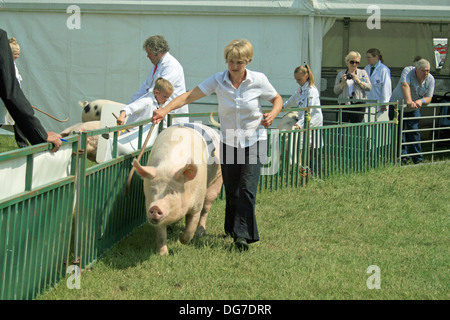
(305, 85)
(248, 77)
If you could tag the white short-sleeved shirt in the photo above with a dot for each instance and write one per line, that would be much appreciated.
(300, 99)
(240, 112)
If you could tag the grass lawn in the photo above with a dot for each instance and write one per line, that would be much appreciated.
(316, 242)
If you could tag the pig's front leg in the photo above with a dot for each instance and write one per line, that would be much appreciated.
(161, 240)
(191, 226)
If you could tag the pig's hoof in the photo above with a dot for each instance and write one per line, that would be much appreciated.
(164, 251)
(201, 232)
(185, 239)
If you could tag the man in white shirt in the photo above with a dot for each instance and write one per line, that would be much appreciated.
(164, 66)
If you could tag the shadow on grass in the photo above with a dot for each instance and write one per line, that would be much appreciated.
(140, 246)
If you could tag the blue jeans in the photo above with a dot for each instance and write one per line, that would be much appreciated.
(412, 124)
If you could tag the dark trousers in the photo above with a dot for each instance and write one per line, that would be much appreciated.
(241, 169)
(353, 117)
(412, 124)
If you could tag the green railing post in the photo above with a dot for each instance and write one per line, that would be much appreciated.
(400, 130)
(305, 151)
(80, 186)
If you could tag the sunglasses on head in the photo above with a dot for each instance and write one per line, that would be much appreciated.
(354, 62)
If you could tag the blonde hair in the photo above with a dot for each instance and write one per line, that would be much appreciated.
(14, 45)
(239, 49)
(306, 69)
(352, 54)
(163, 85)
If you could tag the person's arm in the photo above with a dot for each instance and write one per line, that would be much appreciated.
(135, 107)
(277, 103)
(340, 83)
(178, 102)
(428, 96)
(425, 100)
(365, 85)
(386, 90)
(406, 90)
(291, 102)
(405, 79)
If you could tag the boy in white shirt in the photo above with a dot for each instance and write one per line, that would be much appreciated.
(143, 108)
(139, 110)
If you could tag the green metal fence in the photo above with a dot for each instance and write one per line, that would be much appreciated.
(341, 148)
(71, 221)
(435, 138)
(104, 214)
(35, 229)
(75, 220)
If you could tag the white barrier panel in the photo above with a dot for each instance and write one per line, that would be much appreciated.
(47, 167)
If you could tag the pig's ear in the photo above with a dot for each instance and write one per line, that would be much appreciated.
(144, 171)
(187, 173)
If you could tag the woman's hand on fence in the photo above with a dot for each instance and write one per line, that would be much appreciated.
(158, 115)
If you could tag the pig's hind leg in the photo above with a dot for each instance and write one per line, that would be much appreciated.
(211, 195)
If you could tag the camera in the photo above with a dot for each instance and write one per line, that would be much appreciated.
(349, 76)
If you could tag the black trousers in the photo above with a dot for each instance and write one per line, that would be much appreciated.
(353, 117)
(241, 168)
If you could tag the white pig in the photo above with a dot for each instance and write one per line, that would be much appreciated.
(92, 111)
(182, 179)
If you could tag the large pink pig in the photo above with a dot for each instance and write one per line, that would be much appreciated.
(182, 179)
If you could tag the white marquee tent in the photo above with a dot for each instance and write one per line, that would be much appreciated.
(85, 50)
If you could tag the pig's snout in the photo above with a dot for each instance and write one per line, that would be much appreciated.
(155, 214)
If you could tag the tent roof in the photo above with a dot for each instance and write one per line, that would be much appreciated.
(431, 10)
